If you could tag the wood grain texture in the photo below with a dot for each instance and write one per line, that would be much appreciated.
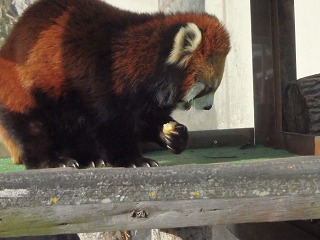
(71, 201)
(301, 107)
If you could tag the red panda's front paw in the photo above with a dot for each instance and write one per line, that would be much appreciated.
(138, 162)
(64, 162)
(98, 163)
(177, 140)
(145, 162)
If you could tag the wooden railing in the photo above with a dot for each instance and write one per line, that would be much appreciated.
(71, 201)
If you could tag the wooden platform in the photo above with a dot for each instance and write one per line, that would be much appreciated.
(59, 201)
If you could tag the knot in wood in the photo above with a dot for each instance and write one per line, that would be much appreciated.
(139, 214)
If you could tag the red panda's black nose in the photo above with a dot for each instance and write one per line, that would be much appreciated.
(207, 107)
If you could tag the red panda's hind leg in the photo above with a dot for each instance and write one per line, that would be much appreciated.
(37, 148)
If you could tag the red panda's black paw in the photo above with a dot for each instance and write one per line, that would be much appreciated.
(177, 139)
(99, 163)
(138, 162)
(65, 162)
(144, 162)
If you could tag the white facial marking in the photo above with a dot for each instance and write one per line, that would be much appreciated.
(204, 102)
(181, 53)
(194, 91)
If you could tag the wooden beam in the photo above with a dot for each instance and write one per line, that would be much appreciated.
(301, 144)
(181, 5)
(70, 201)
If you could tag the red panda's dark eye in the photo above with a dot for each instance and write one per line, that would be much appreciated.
(187, 105)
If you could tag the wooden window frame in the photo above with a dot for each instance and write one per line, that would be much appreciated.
(273, 27)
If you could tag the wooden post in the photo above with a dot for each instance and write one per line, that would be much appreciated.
(263, 77)
(284, 59)
(274, 65)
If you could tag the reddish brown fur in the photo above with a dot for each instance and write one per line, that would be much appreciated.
(13, 95)
(143, 57)
(11, 145)
(18, 76)
(140, 59)
(35, 53)
(46, 74)
(199, 63)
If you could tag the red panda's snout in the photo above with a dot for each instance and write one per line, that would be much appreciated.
(201, 93)
(199, 96)
(209, 76)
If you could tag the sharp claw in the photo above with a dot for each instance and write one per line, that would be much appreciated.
(100, 163)
(175, 151)
(154, 164)
(175, 132)
(91, 165)
(169, 139)
(74, 164)
(170, 148)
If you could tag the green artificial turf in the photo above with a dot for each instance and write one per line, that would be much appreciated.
(218, 155)
(6, 165)
(194, 156)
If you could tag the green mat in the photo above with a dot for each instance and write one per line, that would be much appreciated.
(6, 165)
(218, 155)
(194, 156)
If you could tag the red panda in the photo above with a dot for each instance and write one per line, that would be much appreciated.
(83, 82)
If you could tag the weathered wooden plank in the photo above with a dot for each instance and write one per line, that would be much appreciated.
(71, 201)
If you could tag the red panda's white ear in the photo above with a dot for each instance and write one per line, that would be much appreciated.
(185, 42)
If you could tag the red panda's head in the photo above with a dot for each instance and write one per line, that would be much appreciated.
(200, 47)
(175, 59)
